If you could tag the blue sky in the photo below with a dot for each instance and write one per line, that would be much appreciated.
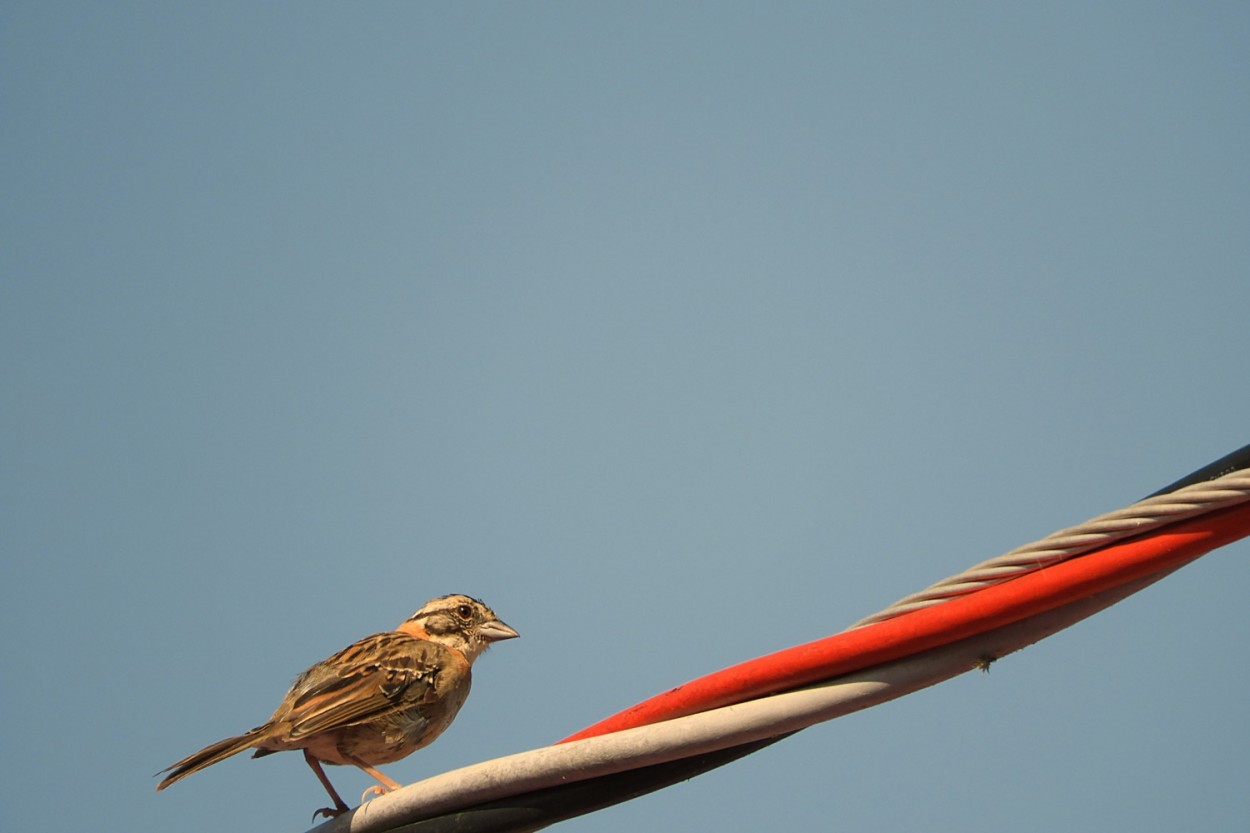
(679, 333)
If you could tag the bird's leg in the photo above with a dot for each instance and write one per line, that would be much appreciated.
(385, 784)
(340, 807)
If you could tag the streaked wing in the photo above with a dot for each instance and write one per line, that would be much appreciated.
(378, 675)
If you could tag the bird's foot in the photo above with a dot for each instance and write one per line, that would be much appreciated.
(331, 812)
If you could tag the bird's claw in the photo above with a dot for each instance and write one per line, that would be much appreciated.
(376, 789)
(330, 812)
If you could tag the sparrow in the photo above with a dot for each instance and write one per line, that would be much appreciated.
(374, 702)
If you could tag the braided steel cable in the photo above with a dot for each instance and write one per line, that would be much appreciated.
(1135, 519)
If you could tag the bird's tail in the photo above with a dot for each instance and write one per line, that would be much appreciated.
(210, 755)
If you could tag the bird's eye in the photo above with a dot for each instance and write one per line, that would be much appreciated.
(465, 612)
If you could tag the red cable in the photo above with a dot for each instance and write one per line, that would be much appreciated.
(978, 612)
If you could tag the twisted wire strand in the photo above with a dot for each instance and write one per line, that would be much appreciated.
(1134, 519)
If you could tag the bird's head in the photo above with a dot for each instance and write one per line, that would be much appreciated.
(459, 622)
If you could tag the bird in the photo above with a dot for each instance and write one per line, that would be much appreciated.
(376, 701)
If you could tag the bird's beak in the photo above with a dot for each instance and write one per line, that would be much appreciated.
(495, 630)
